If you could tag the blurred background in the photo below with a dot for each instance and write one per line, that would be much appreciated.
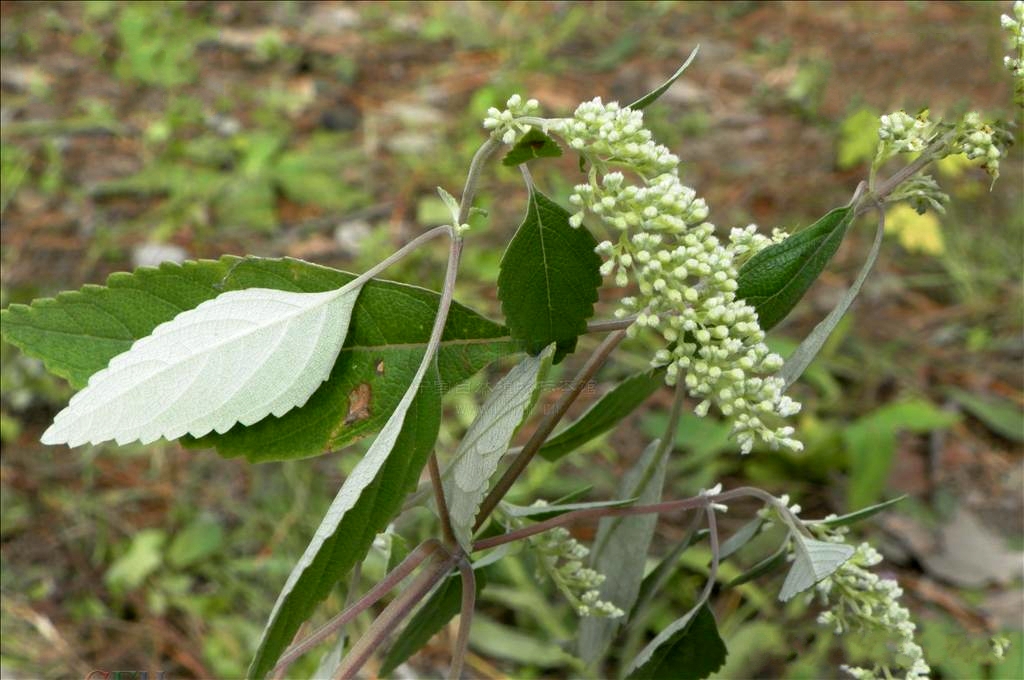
(139, 132)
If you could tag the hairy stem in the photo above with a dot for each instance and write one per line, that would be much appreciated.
(547, 425)
(691, 503)
(405, 567)
(393, 614)
(465, 619)
(476, 166)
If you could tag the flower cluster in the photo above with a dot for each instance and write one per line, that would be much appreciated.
(685, 275)
(505, 124)
(979, 140)
(859, 601)
(1015, 26)
(561, 556)
(901, 133)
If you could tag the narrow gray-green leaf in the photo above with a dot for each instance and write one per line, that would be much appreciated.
(605, 413)
(815, 560)
(653, 95)
(237, 358)
(739, 539)
(688, 649)
(801, 358)
(862, 514)
(775, 279)
(369, 497)
(620, 551)
(765, 566)
(480, 451)
(1000, 415)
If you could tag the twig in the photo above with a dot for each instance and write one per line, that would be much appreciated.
(406, 567)
(393, 614)
(547, 425)
(465, 618)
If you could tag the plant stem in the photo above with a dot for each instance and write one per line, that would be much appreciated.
(400, 253)
(405, 567)
(654, 508)
(393, 614)
(465, 618)
(476, 166)
(547, 425)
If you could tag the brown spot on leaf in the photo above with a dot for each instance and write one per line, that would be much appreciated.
(359, 403)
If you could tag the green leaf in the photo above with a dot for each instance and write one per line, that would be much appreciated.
(857, 138)
(199, 540)
(815, 560)
(804, 354)
(144, 556)
(765, 566)
(689, 649)
(549, 279)
(739, 539)
(487, 439)
(1001, 416)
(366, 502)
(862, 514)
(495, 640)
(238, 358)
(434, 615)
(871, 444)
(653, 96)
(620, 551)
(775, 279)
(605, 413)
(534, 144)
(77, 333)
(658, 577)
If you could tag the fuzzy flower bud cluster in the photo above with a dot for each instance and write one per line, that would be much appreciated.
(978, 140)
(1015, 63)
(561, 557)
(685, 275)
(860, 601)
(902, 133)
(505, 125)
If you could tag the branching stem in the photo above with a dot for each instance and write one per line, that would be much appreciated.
(547, 425)
(405, 567)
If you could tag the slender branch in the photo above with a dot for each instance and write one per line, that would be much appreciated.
(439, 499)
(715, 550)
(476, 166)
(908, 171)
(397, 575)
(400, 253)
(547, 425)
(591, 513)
(465, 618)
(610, 324)
(393, 614)
(691, 503)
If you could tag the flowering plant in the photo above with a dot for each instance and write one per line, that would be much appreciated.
(276, 359)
